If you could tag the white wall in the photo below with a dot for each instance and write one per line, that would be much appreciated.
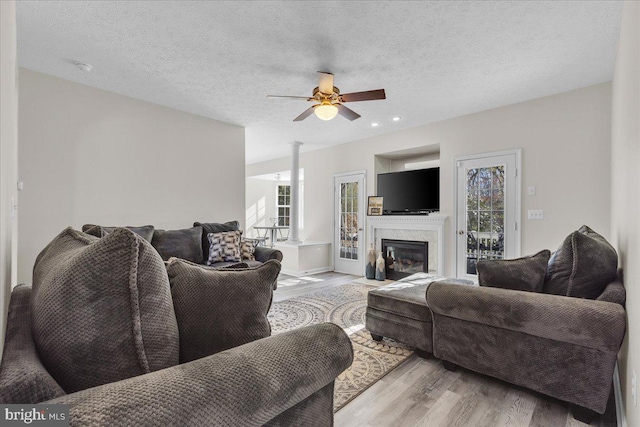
(91, 156)
(565, 141)
(260, 204)
(8, 156)
(625, 193)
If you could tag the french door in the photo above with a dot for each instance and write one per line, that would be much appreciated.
(349, 223)
(488, 209)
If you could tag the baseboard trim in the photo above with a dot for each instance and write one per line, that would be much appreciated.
(306, 272)
(621, 417)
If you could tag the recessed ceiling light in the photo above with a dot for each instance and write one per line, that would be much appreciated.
(396, 118)
(375, 124)
(83, 67)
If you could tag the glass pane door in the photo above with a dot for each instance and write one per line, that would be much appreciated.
(349, 224)
(487, 210)
(485, 215)
(349, 220)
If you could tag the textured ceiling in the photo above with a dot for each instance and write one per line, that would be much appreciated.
(436, 60)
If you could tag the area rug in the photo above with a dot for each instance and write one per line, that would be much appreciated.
(345, 306)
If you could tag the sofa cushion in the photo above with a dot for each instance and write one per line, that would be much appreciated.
(102, 309)
(185, 244)
(403, 299)
(220, 309)
(582, 266)
(247, 250)
(224, 246)
(145, 231)
(214, 227)
(521, 274)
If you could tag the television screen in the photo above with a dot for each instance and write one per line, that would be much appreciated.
(415, 191)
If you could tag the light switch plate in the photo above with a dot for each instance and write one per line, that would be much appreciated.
(531, 190)
(535, 214)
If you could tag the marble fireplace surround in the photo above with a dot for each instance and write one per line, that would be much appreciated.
(423, 228)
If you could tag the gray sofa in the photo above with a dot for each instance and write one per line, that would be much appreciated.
(551, 323)
(190, 244)
(559, 342)
(98, 332)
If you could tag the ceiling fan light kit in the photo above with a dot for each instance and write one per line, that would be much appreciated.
(326, 110)
(330, 100)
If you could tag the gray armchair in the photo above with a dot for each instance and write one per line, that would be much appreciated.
(560, 346)
(276, 381)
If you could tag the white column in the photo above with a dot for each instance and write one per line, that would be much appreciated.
(294, 212)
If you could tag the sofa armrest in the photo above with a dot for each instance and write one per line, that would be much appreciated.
(245, 386)
(588, 323)
(23, 378)
(264, 254)
(614, 292)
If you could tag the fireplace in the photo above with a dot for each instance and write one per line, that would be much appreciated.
(405, 257)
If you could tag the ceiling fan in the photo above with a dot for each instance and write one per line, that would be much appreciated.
(330, 100)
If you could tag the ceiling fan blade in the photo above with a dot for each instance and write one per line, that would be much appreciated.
(305, 114)
(325, 82)
(369, 95)
(306, 98)
(347, 112)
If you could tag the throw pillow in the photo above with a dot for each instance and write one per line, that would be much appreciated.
(214, 227)
(102, 309)
(582, 266)
(247, 250)
(145, 231)
(185, 244)
(521, 274)
(224, 246)
(218, 309)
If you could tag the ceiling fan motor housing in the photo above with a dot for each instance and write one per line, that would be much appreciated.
(335, 94)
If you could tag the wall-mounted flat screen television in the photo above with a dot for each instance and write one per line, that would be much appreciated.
(410, 192)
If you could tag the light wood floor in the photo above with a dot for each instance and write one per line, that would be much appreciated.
(421, 392)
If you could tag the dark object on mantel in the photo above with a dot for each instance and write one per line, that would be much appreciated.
(410, 191)
(409, 212)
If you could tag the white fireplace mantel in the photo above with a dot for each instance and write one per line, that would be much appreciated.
(432, 222)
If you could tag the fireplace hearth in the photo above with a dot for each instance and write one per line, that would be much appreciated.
(405, 257)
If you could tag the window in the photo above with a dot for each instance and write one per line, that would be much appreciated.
(284, 204)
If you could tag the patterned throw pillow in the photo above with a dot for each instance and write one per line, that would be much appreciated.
(224, 246)
(247, 250)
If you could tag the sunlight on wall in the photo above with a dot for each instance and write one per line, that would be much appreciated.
(254, 215)
(262, 208)
(251, 216)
